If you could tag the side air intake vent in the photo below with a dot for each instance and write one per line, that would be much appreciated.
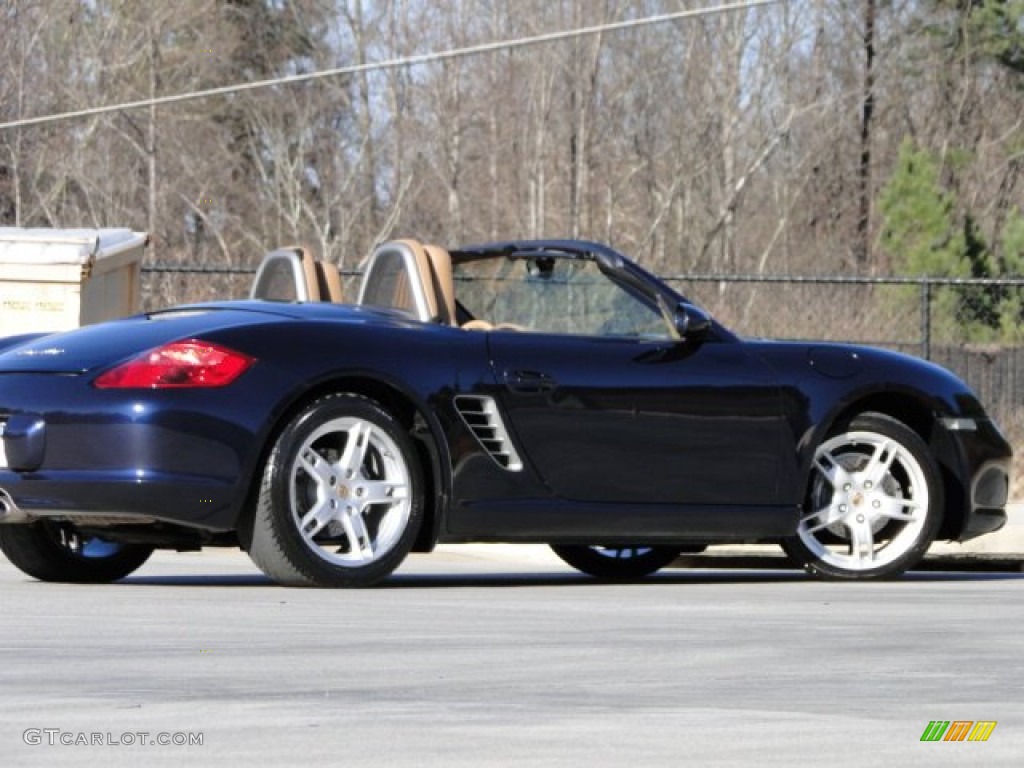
(481, 416)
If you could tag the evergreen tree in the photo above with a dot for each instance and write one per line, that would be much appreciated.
(996, 29)
(919, 220)
(924, 235)
(980, 305)
(1012, 263)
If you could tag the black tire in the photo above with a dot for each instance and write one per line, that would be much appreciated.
(616, 563)
(874, 491)
(57, 552)
(326, 468)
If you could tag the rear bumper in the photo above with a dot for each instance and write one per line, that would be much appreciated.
(134, 495)
(73, 452)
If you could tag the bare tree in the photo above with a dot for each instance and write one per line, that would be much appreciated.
(754, 140)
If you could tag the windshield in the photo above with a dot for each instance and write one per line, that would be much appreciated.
(552, 294)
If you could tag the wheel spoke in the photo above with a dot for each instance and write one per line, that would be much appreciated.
(831, 469)
(357, 442)
(862, 543)
(357, 534)
(826, 516)
(373, 492)
(904, 516)
(316, 466)
(881, 460)
(319, 515)
(898, 508)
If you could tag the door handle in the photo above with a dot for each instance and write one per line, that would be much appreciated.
(529, 381)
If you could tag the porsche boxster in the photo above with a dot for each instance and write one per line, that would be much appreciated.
(530, 391)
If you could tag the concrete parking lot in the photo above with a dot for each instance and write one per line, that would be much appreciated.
(479, 656)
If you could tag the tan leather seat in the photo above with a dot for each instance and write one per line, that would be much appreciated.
(442, 282)
(398, 274)
(408, 275)
(329, 282)
(424, 273)
(309, 269)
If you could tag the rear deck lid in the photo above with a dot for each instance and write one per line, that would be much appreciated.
(98, 346)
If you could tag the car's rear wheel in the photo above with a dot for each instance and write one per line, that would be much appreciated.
(51, 551)
(341, 498)
(874, 502)
(616, 563)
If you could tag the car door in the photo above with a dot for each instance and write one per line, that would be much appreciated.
(625, 420)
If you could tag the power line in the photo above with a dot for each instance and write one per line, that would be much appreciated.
(405, 61)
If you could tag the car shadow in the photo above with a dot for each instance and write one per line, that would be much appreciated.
(506, 579)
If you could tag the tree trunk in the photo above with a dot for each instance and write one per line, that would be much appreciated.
(151, 141)
(863, 244)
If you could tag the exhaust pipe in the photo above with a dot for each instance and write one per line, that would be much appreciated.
(10, 514)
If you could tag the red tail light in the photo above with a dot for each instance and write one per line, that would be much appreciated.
(181, 364)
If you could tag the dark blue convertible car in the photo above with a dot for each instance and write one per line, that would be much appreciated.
(535, 391)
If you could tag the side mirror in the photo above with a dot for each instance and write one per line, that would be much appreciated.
(691, 320)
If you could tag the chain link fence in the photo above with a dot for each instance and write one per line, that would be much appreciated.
(166, 285)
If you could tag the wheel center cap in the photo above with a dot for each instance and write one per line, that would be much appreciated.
(857, 499)
(343, 491)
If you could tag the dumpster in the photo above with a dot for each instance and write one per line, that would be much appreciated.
(58, 279)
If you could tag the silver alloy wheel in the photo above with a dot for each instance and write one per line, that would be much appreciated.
(349, 492)
(620, 553)
(616, 562)
(869, 502)
(57, 551)
(84, 546)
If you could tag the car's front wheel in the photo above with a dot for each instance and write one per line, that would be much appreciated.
(616, 563)
(341, 498)
(51, 551)
(873, 505)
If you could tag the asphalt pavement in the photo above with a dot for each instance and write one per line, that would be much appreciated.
(500, 656)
